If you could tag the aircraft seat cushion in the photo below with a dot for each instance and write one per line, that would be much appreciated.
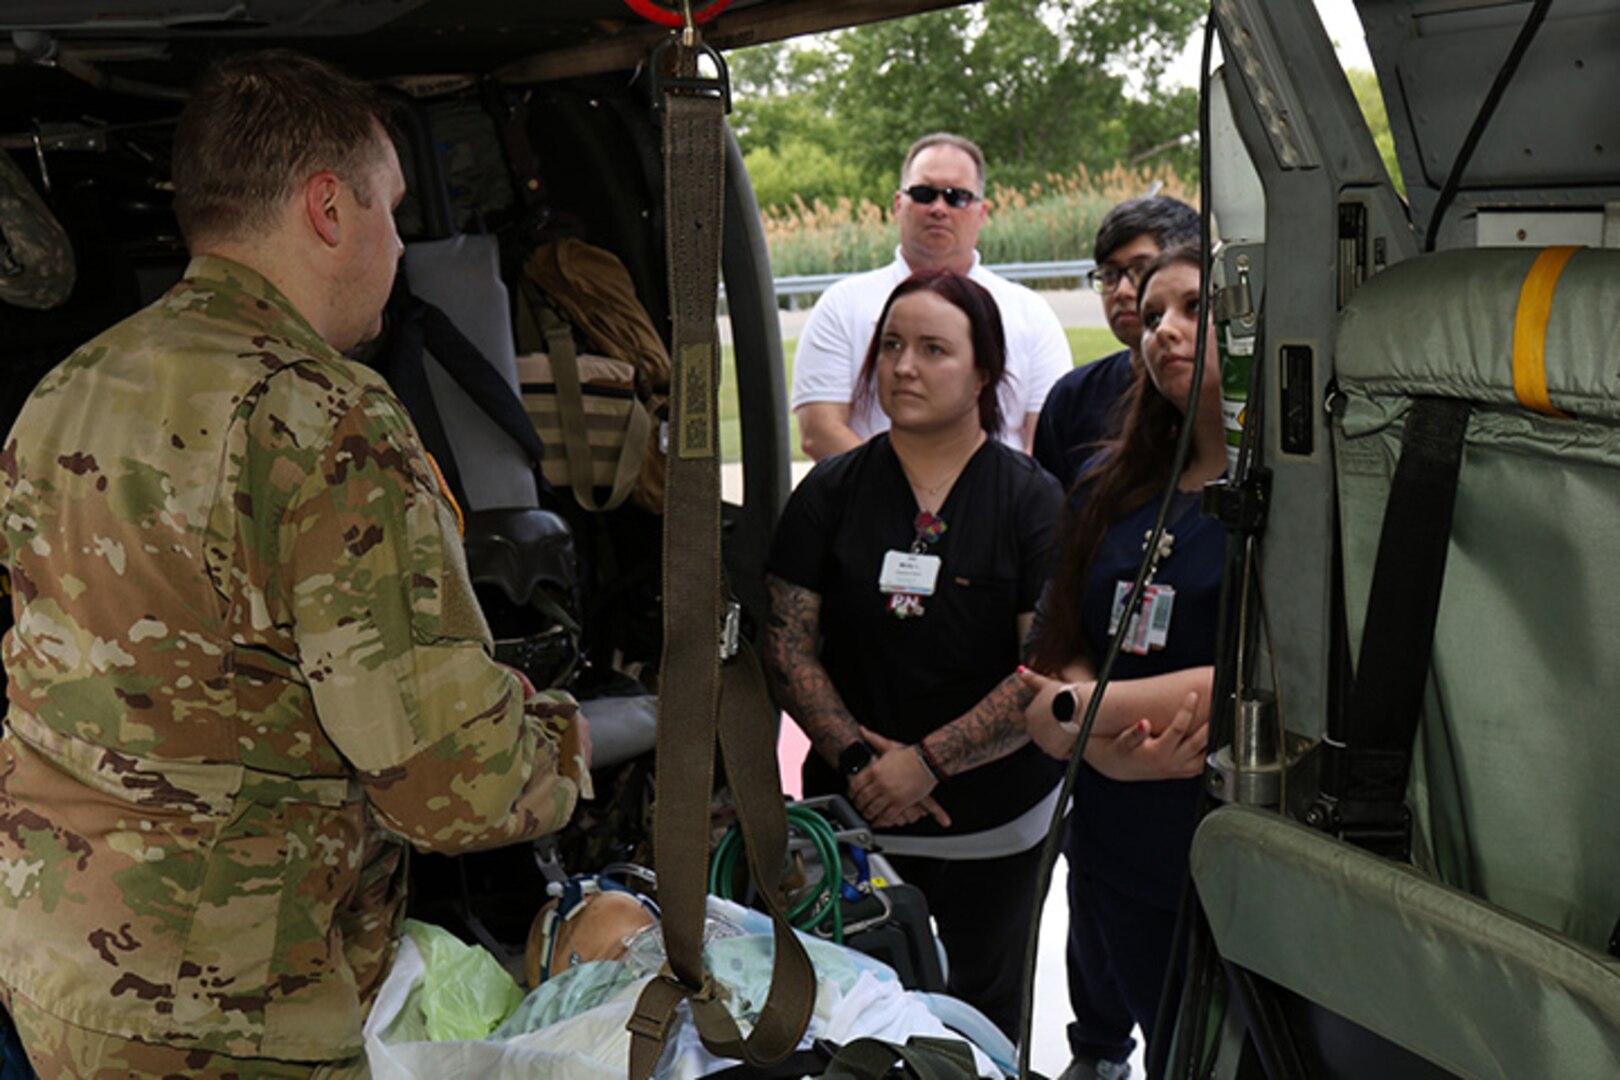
(1444, 324)
(461, 275)
(1429, 968)
(1513, 791)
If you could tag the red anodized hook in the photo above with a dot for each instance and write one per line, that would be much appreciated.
(654, 12)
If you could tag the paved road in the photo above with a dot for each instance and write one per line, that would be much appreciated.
(1074, 307)
(1077, 307)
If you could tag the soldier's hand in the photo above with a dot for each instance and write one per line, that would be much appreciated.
(523, 680)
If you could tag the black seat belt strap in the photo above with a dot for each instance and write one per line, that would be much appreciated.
(473, 372)
(401, 364)
(418, 328)
(1365, 782)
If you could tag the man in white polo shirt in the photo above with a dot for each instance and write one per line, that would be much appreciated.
(940, 209)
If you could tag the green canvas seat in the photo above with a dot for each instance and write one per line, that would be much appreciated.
(1516, 793)
(1461, 983)
(1489, 956)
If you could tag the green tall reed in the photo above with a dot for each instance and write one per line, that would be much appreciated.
(1049, 221)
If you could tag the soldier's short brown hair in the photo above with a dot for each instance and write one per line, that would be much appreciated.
(256, 127)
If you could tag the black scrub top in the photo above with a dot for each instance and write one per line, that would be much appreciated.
(906, 677)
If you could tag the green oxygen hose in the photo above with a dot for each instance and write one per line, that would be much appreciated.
(818, 906)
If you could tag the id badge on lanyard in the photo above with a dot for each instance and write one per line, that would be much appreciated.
(906, 578)
(1150, 627)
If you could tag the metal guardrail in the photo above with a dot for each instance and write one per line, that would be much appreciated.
(1043, 271)
(792, 287)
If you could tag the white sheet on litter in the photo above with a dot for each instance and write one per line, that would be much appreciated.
(594, 1043)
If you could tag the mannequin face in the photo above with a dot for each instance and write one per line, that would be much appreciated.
(595, 930)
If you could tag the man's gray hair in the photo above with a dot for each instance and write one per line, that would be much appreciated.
(944, 138)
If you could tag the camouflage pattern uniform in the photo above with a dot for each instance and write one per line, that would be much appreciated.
(36, 260)
(59, 1049)
(244, 640)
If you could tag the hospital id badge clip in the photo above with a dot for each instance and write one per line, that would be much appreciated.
(1150, 628)
(907, 577)
(909, 572)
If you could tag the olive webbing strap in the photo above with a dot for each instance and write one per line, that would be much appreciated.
(559, 340)
(702, 700)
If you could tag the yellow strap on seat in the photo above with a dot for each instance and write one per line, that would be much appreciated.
(1530, 329)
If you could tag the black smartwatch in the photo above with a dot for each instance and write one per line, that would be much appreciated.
(1064, 704)
(854, 757)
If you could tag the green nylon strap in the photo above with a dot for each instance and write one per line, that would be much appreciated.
(571, 412)
(689, 685)
(748, 724)
(699, 703)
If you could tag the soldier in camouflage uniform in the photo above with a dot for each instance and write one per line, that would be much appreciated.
(247, 659)
(36, 260)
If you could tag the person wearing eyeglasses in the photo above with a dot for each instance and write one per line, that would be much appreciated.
(1081, 413)
(1083, 409)
(940, 208)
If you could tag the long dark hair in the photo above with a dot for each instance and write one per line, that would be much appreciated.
(985, 332)
(1126, 473)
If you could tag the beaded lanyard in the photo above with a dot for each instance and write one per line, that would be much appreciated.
(928, 528)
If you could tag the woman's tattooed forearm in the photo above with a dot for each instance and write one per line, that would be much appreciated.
(991, 729)
(799, 682)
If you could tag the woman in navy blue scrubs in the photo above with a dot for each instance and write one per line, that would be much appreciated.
(1136, 799)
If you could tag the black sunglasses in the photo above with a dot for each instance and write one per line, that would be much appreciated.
(955, 197)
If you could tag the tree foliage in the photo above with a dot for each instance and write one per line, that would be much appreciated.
(1043, 85)
(1364, 84)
